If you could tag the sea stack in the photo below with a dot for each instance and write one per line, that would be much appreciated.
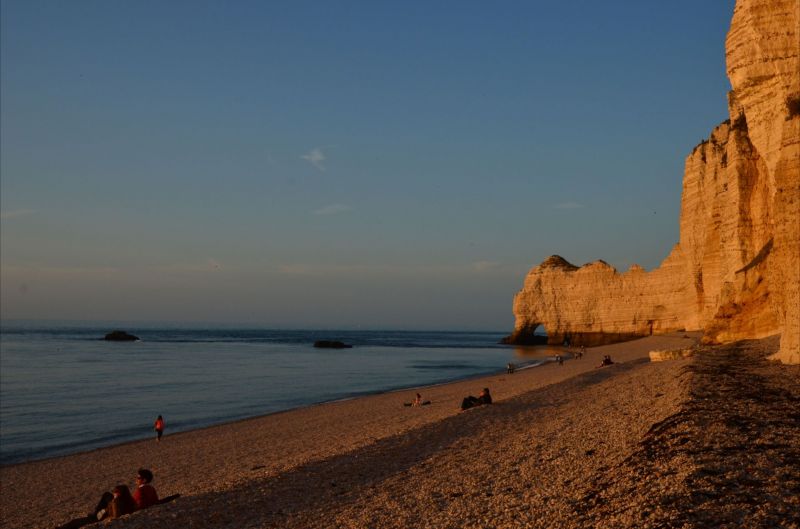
(735, 273)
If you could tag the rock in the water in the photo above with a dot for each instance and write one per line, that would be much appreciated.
(331, 344)
(735, 274)
(120, 336)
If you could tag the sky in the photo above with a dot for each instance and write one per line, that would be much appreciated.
(375, 165)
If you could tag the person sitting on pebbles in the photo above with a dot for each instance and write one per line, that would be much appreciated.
(122, 503)
(484, 397)
(417, 401)
(606, 361)
(145, 494)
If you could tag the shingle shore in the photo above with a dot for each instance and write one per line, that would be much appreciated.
(553, 451)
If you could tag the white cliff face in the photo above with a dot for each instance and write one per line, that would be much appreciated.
(763, 60)
(736, 272)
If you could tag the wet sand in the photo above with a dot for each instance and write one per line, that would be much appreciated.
(547, 453)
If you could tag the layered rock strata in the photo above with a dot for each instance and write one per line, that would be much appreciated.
(735, 273)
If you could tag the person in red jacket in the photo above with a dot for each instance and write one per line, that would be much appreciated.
(158, 426)
(144, 495)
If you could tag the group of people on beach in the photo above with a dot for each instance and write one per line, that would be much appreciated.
(120, 501)
(484, 397)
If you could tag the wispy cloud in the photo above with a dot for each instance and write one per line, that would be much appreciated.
(568, 205)
(483, 266)
(333, 209)
(200, 267)
(417, 270)
(315, 157)
(16, 213)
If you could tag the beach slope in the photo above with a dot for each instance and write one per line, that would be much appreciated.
(636, 444)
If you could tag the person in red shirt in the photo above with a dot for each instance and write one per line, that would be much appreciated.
(144, 495)
(158, 426)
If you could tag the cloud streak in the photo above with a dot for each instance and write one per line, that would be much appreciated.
(333, 209)
(417, 270)
(568, 205)
(315, 157)
(16, 213)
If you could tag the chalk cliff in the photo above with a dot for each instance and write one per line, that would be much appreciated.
(735, 273)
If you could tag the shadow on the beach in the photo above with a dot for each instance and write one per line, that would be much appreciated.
(349, 477)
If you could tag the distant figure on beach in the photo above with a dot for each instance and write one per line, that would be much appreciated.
(122, 503)
(560, 360)
(511, 368)
(144, 495)
(582, 351)
(606, 361)
(484, 397)
(417, 401)
(158, 426)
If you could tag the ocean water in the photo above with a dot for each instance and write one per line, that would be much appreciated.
(63, 389)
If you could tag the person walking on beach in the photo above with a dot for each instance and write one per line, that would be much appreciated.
(158, 426)
(145, 494)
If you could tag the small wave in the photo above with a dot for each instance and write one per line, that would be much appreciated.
(442, 366)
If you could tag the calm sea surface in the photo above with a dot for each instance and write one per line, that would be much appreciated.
(64, 390)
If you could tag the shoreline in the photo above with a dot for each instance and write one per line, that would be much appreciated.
(226, 422)
(217, 458)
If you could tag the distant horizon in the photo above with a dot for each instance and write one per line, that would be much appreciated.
(127, 325)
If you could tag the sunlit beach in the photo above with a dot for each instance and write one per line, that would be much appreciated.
(306, 265)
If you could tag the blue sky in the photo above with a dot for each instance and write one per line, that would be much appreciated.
(340, 164)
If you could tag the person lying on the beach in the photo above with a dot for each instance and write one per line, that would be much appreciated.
(484, 397)
(417, 401)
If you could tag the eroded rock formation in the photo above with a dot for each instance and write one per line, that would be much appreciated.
(735, 273)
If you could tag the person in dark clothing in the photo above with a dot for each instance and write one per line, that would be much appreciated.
(606, 361)
(122, 503)
(100, 512)
(483, 398)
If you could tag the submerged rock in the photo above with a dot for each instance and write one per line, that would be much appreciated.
(120, 336)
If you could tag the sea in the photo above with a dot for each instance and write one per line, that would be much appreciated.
(63, 389)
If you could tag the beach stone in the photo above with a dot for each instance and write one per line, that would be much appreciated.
(120, 336)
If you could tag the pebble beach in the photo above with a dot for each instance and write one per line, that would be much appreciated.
(708, 441)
